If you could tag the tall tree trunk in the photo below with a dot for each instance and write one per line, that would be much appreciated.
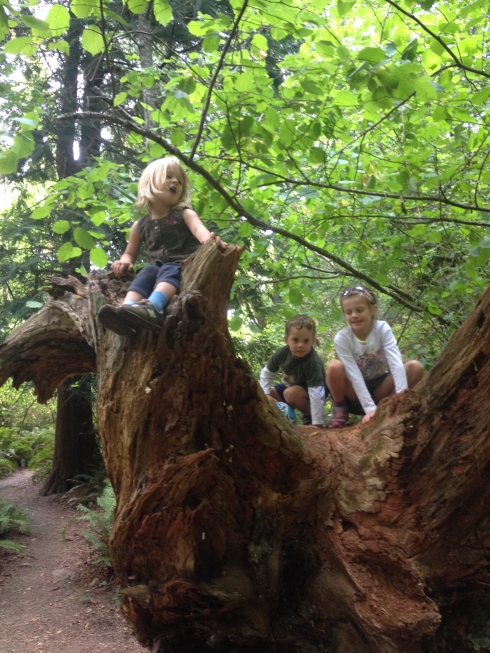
(66, 164)
(234, 531)
(76, 449)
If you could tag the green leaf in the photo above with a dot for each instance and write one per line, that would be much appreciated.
(345, 99)
(163, 11)
(481, 96)
(61, 226)
(58, 18)
(235, 323)
(272, 117)
(98, 257)
(40, 213)
(22, 45)
(343, 53)
(137, 6)
(344, 7)
(440, 113)
(23, 144)
(260, 42)
(210, 43)
(295, 297)
(119, 99)
(425, 89)
(8, 162)
(60, 46)
(311, 87)
(83, 238)
(245, 229)
(373, 55)
(65, 252)
(84, 8)
(32, 304)
(36, 25)
(4, 23)
(433, 308)
(177, 137)
(92, 40)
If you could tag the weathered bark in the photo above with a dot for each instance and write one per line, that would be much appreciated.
(234, 532)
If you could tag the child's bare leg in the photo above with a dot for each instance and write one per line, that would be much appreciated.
(133, 296)
(274, 395)
(166, 288)
(338, 383)
(341, 390)
(297, 397)
(415, 371)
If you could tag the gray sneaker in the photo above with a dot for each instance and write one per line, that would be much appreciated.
(113, 318)
(143, 315)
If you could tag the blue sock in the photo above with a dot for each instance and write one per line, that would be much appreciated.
(159, 300)
(129, 302)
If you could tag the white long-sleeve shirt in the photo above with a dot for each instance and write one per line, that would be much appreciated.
(379, 354)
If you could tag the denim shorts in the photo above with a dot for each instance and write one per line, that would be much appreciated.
(148, 277)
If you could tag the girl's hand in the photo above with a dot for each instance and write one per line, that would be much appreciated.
(220, 243)
(119, 268)
(368, 416)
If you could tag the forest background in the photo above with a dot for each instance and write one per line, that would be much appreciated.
(339, 142)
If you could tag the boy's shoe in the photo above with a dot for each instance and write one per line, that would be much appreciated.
(306, 419)
(143, 315)
(340, 417)
(288, 411)
(113, 318)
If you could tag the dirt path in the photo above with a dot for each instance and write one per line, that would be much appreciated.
(46, 603)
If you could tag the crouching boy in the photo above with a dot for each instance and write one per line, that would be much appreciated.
(304, 385)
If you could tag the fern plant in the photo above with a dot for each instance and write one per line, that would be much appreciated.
(100, 523)
(11, 520)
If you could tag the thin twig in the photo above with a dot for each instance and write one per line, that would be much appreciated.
(437, 38)
(214, 78)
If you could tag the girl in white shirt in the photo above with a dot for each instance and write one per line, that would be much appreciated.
(370, 366)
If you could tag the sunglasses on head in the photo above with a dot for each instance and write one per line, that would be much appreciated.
(348, 291)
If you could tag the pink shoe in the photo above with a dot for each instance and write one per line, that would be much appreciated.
(340, 417)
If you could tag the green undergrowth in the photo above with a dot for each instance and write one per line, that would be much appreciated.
(12, 520)
(99, 521)
(22, 448)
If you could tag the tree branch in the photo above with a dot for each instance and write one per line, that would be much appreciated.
(214, 78)
(130, 125)
(437, 38)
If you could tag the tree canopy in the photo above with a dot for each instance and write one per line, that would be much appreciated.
(341, 142)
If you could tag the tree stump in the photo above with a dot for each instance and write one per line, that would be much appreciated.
(235, 531)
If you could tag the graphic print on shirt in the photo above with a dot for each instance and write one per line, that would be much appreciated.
(371, 365)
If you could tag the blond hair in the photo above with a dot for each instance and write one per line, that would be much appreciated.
(153, 179)
(300, 322)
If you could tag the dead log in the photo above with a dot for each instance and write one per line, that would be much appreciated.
(236, 532)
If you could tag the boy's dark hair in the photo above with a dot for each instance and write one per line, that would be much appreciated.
(300, 322)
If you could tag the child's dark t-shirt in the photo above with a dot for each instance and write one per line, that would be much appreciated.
(308, 369)
(167, 239)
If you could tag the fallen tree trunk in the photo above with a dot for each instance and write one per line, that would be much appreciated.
(235, 532)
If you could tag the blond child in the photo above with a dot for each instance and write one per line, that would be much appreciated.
(171, 231)
(370, 365)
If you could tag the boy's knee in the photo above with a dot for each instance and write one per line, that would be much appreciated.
(295, 393)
